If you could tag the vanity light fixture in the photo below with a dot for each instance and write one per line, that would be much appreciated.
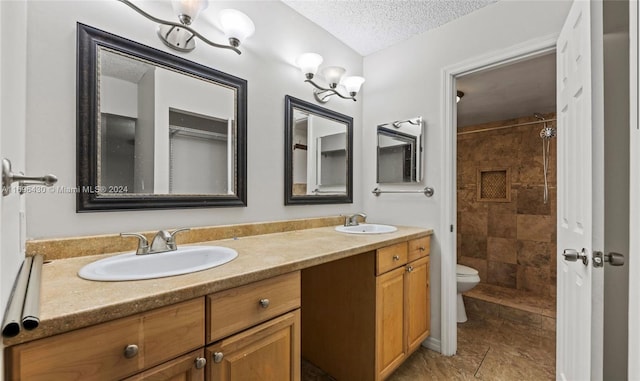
(180, 36)
(459, 95)
(334, 75)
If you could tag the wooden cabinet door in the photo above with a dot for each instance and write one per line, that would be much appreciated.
(417, 316)
(268, 352)
(184, 368)
(390, 338)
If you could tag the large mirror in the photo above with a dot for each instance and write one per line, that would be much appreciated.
(318, 154)
(156, 130)
(400, 151)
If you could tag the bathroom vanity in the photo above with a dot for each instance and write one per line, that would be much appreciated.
(227, 322)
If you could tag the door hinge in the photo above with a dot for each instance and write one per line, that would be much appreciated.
(451, 228)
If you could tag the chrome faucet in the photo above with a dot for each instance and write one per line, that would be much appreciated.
(352, 220)
(162, 242)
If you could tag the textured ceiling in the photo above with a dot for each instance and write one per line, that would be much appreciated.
(371, 25)
(122, 67)
(508, 92)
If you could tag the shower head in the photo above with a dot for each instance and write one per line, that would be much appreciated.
(538, 116)
(548, 133)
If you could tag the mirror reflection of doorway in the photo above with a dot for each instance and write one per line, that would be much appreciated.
(198, 154)
(396, 150)
(117, 152)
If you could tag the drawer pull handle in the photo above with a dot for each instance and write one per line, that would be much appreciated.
(409, 269)
(396, 257)
(264, 303)
(130, 351)
(422, 248)
(217, 357)
(201, 362)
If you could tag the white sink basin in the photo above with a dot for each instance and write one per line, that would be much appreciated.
(367, 229)
(130, 266)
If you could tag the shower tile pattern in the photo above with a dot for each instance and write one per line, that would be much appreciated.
(511, 244)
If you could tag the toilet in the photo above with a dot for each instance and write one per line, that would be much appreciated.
(466, 279)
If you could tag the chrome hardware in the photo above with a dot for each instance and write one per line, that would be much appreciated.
(264, 303)
(352, 220)
(143, 244)
(396, 258)
(201, 362)
(409, 269)
(614, 259)
(130, 351)
(217, 357)
(427, 191)
(571, 255)
(8, 178)
(162, 242)
(172, 243)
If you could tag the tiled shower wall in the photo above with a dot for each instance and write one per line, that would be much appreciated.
(511, 244)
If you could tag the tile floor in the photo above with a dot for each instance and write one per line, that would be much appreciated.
(489, 348)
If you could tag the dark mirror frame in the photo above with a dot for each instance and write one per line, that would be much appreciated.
(289, 198)
(88, 199)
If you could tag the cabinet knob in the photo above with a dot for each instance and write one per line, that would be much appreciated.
(422, 248)
(201, 362)
(409, 269)
(217, 357)
(396, 257)
(264, 303)
(130, 351)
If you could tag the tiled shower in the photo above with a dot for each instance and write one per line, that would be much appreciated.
(505, 229)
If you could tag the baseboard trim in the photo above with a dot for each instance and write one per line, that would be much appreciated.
(432, 343)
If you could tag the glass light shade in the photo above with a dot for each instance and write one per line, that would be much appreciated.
(333, 75)
(309, 62)
(189, 8)
(236, 25)
(352, 84)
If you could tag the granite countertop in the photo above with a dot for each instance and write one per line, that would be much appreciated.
(69, 302)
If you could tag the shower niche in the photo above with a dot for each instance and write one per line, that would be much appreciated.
(493, 185)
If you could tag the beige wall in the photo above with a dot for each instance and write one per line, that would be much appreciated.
(511, 244)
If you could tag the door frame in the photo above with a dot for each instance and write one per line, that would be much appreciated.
(525, 50)
(634, 191)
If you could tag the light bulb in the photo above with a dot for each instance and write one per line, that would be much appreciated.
(333, 75)
(308, 64)
(353, 84)
(188, 10)
(236, 26)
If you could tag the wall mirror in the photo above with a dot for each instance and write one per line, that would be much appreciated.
(318, 154)
(400, 151)
(156, 130)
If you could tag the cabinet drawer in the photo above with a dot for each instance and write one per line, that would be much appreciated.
(390, 257)
(98, 352)
(419, 248)
(233, 310)
(184, 368)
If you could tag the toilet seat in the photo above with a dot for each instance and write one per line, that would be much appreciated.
(465, 271)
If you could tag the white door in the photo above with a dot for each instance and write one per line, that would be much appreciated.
(13, 82)
(580, 193)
